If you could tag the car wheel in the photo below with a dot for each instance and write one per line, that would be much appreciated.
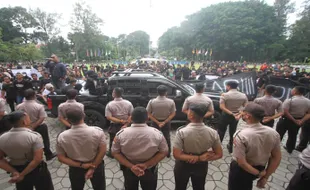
(94, 118)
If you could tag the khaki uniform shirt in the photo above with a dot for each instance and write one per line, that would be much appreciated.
(270, 104)
(255, 143)
(196, 138)
(33, 109)
(161, 107)
(234, 100)
(81, 142)
(19, 144)
(297, 106)
(305, 157)
(119, 108)
(139, 142)
(2, 105)
(198, 99)
(64, 107)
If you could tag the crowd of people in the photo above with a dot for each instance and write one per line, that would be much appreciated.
(139, 147)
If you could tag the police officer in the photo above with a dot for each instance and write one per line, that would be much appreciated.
(254, 147)
(24, 148)
(64, 107)
(301, 179)
(199, 98)
(304, 137)
(37, 115)
(161, 111)
(118, 112)
(82, 148)
(139, 149)
(296, 110)
(2, 108)
(191, 149)
(270, 104)
(230, 104)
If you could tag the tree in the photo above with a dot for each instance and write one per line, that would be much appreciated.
(138, 43)
(47, 27)
(232, 29)
(85, 26)
(283, 8)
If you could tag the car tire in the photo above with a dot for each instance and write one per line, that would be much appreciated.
(94, 118)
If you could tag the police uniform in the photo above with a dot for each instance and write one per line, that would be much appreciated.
(80, 143)
(64, 107)
(233, 100)
(297, 106)
(270, 104)
(255, 143)
(304, 137)
(198, 98)
(19, 145)
(35, 112)
(161, 108)
(301, 179)
(195, 139)
(138, 144)
(120, 109)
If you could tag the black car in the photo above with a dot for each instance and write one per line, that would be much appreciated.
(139, 87)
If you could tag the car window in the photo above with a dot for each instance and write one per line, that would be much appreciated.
(153, 88)
(131, 87)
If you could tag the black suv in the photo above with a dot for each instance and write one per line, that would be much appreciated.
(139, 87)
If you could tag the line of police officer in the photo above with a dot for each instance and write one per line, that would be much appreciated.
(83, 147)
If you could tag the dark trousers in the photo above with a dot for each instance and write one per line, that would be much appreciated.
(148, 181)
(239, 179)
(77, 178)
(11, 103)
(40, 178)
(304, 136)
(113, 129)
(43, 131)
(292, 128)
(19, 99)
(166, 132)
(197, 172)
(232, 122)
(59, 84)
(269, 124)
(300, 180)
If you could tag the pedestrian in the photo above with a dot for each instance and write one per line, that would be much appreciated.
(139, 148)
(59, 73)
(35, 83)
(301, 178)
(161, 111)
(82, 148)
(304, 137)
(37, 116)
(118, 113)
(8, 92)
(199, 98)
(230, 103)
(20, 85)
(270, 104)
(24, 149)
(254, 147)
(64, 107)
(296, 113)
(44, 80)
(191, 149)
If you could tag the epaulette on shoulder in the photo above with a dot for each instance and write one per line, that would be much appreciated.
(183, 126)
(122, 130)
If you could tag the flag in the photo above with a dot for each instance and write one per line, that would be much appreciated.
(99, 53)
(193, 52)
(91, 52)
(197, 51)
(207, 52)
(95, 52)
(211, 52)
(203, 51)
(87, 53)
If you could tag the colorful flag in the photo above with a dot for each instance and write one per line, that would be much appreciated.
(99, 53)
(197, 51)
(87, 53)
(207, 52)
(193, 52)
(95, 52)
(211, 52)
(203, 51)
(91, 52)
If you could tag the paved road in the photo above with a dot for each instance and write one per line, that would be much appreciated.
(216, 180)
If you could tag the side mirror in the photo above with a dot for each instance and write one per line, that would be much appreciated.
(178, 93)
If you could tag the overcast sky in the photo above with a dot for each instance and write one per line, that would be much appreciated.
(126, 16)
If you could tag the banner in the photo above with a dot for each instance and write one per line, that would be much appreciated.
(246, 81)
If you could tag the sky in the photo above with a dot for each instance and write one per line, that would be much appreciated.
(125, 16)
